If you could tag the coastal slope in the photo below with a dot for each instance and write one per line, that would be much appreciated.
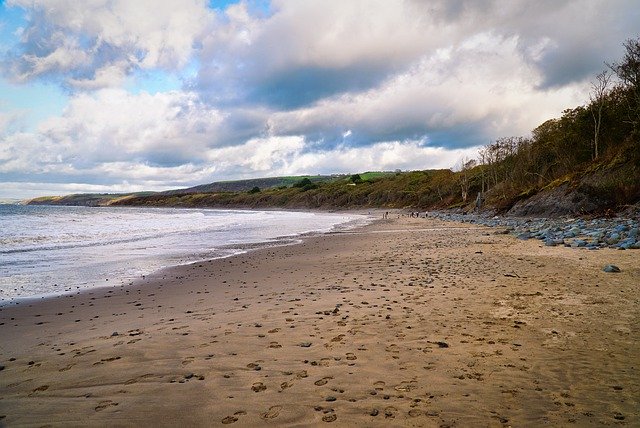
(413, 322)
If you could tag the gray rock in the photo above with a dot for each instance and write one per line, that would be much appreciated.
(611, 268)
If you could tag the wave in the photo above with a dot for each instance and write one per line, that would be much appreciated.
(79, 247)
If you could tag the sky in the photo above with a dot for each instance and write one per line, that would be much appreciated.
(121, 96)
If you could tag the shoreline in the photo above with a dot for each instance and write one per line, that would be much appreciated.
(404, 322)
(203, 255)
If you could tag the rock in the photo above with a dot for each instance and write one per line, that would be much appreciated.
(611, 268)
(579, 243)
(330, 398)
(114, 334)
(305, 344)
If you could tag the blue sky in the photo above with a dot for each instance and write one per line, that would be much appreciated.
(116, 96)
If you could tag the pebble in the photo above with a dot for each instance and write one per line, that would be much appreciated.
(611, 268)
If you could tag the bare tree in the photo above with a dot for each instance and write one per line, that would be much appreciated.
(483, 162)
(628, 71)
(465, 181)
(599, 90)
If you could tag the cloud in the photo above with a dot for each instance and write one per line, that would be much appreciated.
(112, 125)
(458, 73)
(458, 97)
(95, 43)
(307, 51)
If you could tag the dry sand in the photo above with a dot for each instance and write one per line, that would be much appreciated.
(406, 322)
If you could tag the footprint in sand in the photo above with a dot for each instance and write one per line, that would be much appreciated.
(106, 360)
(272, 413)
(414, 413)
(104, 404)
(379, 385)
(258, 387)
(229, 420)
(330, 417)
(39, 389)
(137, 379)
(351, 356)
(390, 412)
(275, 345)
(254, 366)
(323, 381)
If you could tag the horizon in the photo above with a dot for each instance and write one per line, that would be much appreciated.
(109, 98)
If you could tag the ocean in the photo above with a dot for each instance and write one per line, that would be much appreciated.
(50, 250)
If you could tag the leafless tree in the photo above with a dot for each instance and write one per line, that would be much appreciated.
(465, 181)
(599, 89)
(628, 71)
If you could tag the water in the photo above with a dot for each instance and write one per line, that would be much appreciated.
(47, 250)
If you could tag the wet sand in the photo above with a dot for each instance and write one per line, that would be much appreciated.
(406, 322)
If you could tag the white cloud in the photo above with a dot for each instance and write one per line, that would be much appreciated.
(94, 43)
(484, 82)
(112, 125)
(293, 155)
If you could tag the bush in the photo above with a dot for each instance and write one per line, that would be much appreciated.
(305, 184)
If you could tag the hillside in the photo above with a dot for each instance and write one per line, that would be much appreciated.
(84, 199)
(246, 185)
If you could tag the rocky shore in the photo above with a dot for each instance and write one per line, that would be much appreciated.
(592, 234)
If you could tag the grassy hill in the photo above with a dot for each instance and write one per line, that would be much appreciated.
(245, 185)
(425, 188)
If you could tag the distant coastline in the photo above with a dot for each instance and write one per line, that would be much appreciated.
(410, 190)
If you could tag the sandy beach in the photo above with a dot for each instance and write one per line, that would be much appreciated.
(405, 322)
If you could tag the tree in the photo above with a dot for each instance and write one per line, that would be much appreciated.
(464, 179)
(598, 95)
(628, 71)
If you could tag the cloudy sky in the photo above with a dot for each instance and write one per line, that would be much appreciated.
(121, 95)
